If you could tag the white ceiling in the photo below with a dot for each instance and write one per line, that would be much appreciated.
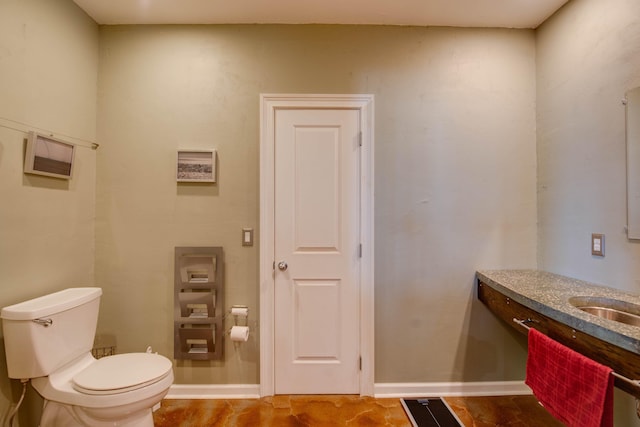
(456, 13)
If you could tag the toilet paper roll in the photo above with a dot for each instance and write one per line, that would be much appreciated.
(240, 333)
(240, 311)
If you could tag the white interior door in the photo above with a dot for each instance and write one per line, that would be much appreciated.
(317, 251)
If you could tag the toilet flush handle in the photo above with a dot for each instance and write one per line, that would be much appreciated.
(44, 322)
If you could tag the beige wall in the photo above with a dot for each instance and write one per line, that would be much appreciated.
(588, 56)
(48, 82)
(455, 178)
(455, 168)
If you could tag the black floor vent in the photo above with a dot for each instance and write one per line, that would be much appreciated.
(432, 412)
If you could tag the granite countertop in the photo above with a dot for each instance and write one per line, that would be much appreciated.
(549, 294)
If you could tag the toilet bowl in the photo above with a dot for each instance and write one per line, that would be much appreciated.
(48, 340)
(118, 390)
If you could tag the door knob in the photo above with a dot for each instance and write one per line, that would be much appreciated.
(282, 266)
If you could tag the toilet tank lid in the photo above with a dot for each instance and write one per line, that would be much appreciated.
(50, 304)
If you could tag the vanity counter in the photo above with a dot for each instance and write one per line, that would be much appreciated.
(548, 294)
(540, 300)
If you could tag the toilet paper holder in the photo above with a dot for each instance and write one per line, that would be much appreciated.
(239, 332)
(239, 312)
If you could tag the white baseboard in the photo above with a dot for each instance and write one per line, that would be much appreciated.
(488, 388)
(214, 391)
(381, 390)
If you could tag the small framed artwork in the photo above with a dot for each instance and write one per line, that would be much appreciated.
(196, 166)
(49, 156)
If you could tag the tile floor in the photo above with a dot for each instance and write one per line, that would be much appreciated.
(335, 410)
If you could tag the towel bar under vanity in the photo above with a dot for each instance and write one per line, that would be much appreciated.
(630, 382)
(624, 363)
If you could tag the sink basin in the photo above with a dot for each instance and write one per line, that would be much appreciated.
(609, 308)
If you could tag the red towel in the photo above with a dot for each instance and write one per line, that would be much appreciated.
(573, 388)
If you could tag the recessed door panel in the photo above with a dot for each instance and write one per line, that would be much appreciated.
(317, 322)
(317, 192)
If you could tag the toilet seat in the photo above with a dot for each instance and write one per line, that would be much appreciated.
(121, 373)
(59, 386)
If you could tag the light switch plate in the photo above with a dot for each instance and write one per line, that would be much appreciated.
(247, 237)
(597, 244)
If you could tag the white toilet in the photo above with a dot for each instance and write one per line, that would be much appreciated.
(49, 339)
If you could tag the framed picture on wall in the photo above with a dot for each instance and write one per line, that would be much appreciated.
(49, 156)
(196, 166)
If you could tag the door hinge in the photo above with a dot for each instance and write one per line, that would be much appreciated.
(360, 250)
(360, 139)
(360, 363)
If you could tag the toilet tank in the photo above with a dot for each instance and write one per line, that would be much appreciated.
(45, 333)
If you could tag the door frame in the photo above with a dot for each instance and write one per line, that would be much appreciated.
(269, 104)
